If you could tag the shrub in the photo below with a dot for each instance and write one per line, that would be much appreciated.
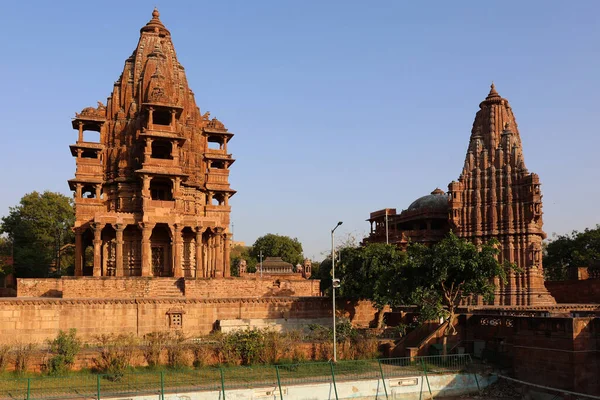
(65, 347)
(23, 353)
(115, 356)
(4, 355)
(203, 354)
(177, 351)
(156, 343)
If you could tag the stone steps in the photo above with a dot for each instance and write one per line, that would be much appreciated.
(167, 288)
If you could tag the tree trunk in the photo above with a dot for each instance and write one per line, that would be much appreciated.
(380, 315)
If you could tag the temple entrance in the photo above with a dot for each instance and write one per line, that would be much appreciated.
(160, 244)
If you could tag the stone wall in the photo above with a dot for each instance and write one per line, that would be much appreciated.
(559, 352)
(575, 292)
(35, 320)
(39, 287)
(141, 287)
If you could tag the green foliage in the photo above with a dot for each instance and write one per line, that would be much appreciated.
(23, 353)
(290, 250)
(155, 344)
(115, 354)
(176, 350)
(64, 347)
(39, 226)
(578, 249)
(4, 354)
(241, 253)
(6, 261)
(373, 272)
(448, 272)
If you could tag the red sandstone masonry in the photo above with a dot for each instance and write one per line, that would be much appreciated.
(36, 320)
(141, 287)
(575, 292)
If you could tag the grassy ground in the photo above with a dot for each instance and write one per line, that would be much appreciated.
(86, 384)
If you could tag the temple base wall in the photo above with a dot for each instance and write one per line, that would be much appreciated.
(36, 320)
(139, 287)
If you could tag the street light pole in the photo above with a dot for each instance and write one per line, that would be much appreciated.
(333, 284)
(387, 236)
(261, 264)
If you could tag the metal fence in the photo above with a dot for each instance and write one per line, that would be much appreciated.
(226, 378)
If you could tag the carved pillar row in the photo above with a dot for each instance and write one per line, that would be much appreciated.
(119, 228)
(97, 249)
(177, 251)
(199, 253)
(219, 254)
(208, 258)
(146, 249)
(78, 252)
(226, 255)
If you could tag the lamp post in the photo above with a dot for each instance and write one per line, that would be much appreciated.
(387, 236)
(334, 284)
(261, 264)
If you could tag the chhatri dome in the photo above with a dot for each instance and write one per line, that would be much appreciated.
(437, 200)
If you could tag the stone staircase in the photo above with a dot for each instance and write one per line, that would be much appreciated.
(167, 287)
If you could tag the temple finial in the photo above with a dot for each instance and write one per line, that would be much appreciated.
(155, 13)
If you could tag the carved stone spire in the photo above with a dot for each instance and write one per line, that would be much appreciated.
(496, 196)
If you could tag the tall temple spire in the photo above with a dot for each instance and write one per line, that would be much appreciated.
(159, 175)
(496, 197)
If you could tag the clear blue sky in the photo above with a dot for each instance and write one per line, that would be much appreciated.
(339, 107)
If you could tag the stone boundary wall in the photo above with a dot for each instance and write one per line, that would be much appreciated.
(142, 287)
(36, 320)
(575, 292)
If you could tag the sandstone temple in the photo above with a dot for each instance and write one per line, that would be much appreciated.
(495, 197)
(152, 192)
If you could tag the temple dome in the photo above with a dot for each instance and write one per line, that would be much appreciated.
(437, 200)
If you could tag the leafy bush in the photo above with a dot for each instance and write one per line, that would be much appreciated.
(65, 347)
(4, 355)
(115, 355)
(156, 343)
(177, 350)
(23, 353)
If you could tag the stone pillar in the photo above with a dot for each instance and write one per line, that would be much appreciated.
(177, 247)
(98, 249)
(226, 255)
(146, 249)
(148, 149)
(80, 137)
(175, 152)
(78, 190)
(119, 228)
(78, 252)
(199, 256)
(209, 256)
(98, 191)
(218, 254)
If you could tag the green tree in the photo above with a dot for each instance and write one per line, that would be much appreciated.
(577, 249)
(373, 272)
(239, 253)
(39, 227)
(447, 273)
(6, 261)
(290, 250)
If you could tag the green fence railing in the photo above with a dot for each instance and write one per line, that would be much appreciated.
(222, 379)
